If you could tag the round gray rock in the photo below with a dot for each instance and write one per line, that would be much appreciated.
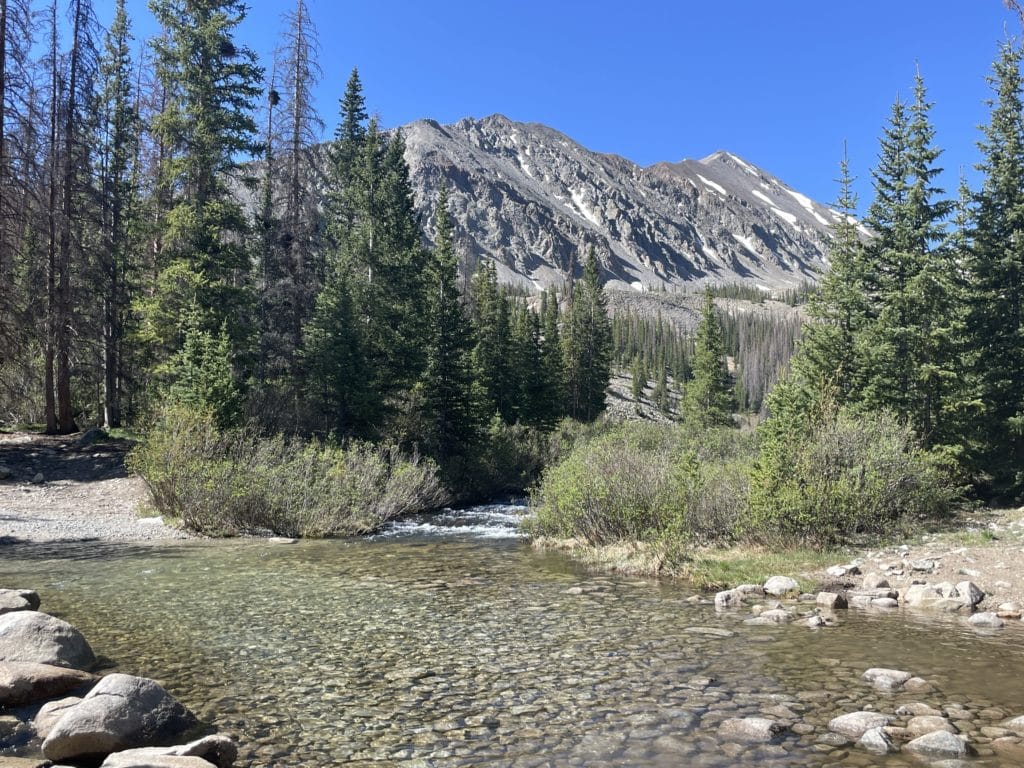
(749, 729)
(939, 744)
(217, 750)
(877, 740)
(24, 682)
(30, 636)
(779, 586)
(855, 724)
(121, 712)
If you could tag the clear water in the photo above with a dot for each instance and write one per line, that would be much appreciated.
(464, 647)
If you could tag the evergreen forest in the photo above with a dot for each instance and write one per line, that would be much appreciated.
(182, 254)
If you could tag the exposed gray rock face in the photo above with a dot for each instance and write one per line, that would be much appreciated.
(29, 636)
(529, 197)
(121, 712)
(23, 682)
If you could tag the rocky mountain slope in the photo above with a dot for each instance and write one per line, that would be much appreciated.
(532, 199)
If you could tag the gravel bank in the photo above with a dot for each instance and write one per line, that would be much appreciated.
(70, 489)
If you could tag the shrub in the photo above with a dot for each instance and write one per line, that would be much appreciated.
(828, 474)
(230, 482)
(644, 482)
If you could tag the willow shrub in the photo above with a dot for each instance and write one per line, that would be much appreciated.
(646, 482)
(234, 481)
(829, 475)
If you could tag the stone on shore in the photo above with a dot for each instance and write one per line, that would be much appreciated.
(25, 682)
(855, 724)
(12, 600)
(121, 712)
(216, 750)
(30, 636)
(780, 586)
(749, 729)
(939, 744)
(886, 679)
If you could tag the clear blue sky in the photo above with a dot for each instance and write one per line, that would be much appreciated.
(781, 83)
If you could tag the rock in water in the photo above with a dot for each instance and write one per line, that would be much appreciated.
(877, 740)
(939, 744)
(218, 750)
(749, 729)
(25, 682)
(18, 600)
(121, 712)
(29, 636)
(886, 679)
(856, 724)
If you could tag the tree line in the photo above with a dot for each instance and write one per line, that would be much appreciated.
(923, 318)
(172, 228)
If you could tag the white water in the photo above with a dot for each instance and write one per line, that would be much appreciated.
(487, 521)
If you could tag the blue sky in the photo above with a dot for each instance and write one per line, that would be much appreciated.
(783, 83)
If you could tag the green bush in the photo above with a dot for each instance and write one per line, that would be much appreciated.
(645, 482)
(827, 475)
(230, 482)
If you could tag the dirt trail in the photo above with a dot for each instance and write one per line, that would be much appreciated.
(71, 488)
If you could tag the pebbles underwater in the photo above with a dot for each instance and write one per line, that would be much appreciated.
(464, 651)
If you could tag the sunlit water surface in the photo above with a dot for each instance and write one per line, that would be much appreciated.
(448, 641)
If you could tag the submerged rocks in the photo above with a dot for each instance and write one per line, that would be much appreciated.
(750, 729)
(121, 712)
(886, 679)
(30, 636)
(986, 619)
(26, 682)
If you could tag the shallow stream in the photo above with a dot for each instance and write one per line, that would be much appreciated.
(449, 641)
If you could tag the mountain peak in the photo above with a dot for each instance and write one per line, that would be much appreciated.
(532, 200)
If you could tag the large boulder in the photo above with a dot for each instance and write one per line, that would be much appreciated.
(18, 600)
(23, 682)
(211, 750)
(30, 636)
(932, 597)
(121, 712)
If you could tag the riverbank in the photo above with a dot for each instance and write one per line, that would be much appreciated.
(72, 488)
(984, 546)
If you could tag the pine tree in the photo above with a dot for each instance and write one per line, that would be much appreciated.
(118, 150)
(996, 275)
(552, 371)
(206, 128)
(907, 346)
(708, 399)
(492, 354)
(839, 309)
(448, 383)
(587, 345)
